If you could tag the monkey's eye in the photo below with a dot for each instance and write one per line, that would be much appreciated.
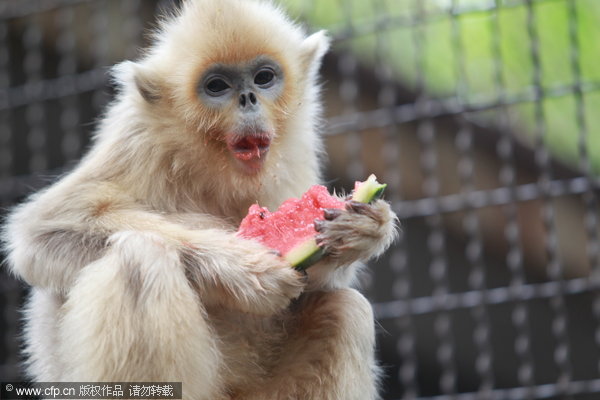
(264, 78)
(216, 86)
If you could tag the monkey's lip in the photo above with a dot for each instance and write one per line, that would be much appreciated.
(249, 148)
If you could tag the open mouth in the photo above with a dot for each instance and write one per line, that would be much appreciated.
(249, 149)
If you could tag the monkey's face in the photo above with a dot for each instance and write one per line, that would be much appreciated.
(230, 87)
(246, 94)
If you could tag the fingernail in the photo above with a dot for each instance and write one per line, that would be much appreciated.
(304, 275)
(319, 224)
(319, 240)
(331, 213)
(356, 206)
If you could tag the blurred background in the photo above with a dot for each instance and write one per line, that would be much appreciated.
(482, 117)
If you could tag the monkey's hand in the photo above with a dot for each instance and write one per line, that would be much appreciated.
(358, 233)
(242, 274)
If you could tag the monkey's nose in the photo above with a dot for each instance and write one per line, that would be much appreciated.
(248, 99)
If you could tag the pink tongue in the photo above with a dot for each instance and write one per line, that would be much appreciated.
(249, 147)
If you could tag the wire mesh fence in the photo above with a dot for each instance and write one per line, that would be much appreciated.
(490, 154)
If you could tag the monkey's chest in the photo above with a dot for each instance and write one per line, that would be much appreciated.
(250, 345)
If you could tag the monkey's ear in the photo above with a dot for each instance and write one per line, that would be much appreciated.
(128, 72)
(313, 49)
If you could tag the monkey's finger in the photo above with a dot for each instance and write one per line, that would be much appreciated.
(364, 209)
(321, 240)
(331, 213)
(303, 275)
(357, 207)
(319, 225)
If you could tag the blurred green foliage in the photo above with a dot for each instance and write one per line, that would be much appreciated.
(479, 50)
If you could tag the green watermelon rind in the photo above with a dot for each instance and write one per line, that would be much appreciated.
(369, 190)
(307, 253)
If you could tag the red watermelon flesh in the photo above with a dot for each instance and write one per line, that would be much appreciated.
(291, 230)
(292, 223)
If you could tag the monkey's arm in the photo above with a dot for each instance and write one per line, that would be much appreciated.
(356, 234)
(51, 238)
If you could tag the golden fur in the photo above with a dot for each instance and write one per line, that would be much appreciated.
(136, 271)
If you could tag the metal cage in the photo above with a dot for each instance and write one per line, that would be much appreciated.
(491, 290)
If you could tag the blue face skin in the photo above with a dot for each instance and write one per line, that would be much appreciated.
(244, 86)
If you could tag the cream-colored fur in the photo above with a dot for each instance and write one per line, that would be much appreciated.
(136, 271)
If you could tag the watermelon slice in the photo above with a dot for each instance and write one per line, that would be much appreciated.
(291, 231)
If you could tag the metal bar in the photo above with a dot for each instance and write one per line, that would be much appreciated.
(20, 9)
(454, 301)
(405, 209)
(426, 135)
(51, 89)
(493, 197)
(554, 268)
(100, 26)
(6, 158)
(474, 245)
(386, 22)
(436, 108)
(9, 297)
(35, 112)
(69, 105)
(590, 198)
(132, 29)
(544, 391)
(348, 93)
(14, 187)
(514, 256)
(398, 257)
(403, 310)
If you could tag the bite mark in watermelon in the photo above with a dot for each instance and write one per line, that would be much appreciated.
(291, 231)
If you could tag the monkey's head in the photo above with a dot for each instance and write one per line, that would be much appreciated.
(236, 77)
